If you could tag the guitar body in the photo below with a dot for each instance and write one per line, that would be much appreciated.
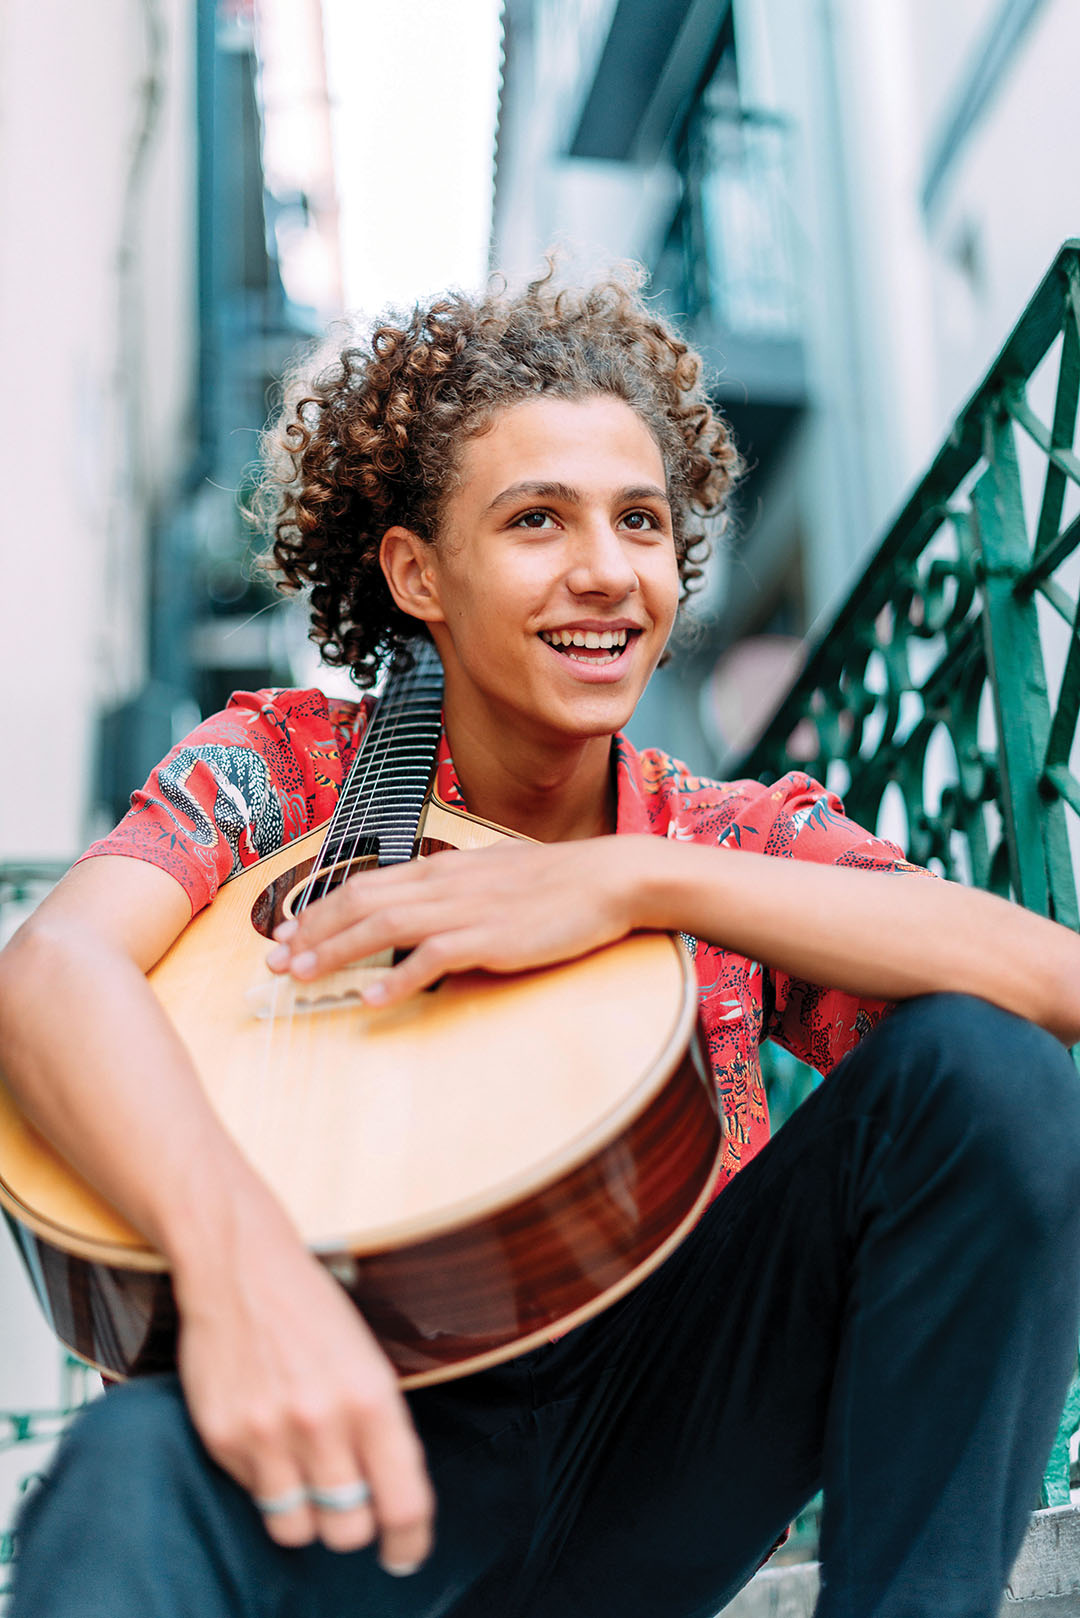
(484, 1166)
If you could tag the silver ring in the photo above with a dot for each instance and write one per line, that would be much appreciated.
(276, 1505)
(341, 1496)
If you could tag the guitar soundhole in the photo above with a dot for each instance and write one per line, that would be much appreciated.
(366, 858)
(282, 898)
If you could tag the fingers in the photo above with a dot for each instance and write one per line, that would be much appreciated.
(348, 1482)
(427, 963)
(439, 953)
(403, 1497)
(320, 1435)
(367, 893)
(391, 929)
(375, 911)
(281, 1497)
(502, 909)
(366, 1474)
(327, 1499)
(363, 918)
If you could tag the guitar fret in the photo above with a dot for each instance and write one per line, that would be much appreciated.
(391, 777)
(383, 796)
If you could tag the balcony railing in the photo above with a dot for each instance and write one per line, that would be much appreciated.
(941, 702)
(729, 255)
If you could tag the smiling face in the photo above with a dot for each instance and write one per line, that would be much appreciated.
(553, 585)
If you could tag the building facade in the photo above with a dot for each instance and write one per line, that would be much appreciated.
(170, 240)
(846, 206)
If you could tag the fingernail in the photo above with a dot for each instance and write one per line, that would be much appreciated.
(303, 964)
(285, 931)
(400, 1570)
(375, 993)
(278, 958)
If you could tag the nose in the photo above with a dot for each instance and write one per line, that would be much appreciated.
(600, 564)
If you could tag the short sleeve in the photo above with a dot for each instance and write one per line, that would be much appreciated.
(248, 780)
(799, 819)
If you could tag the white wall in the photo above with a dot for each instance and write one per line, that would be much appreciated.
(96, 429)
(1013, 197)
(904, 312)
(96, 422)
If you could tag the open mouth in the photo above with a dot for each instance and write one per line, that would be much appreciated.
(589, 645)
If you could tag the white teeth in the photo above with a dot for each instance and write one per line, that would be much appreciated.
(590, 639)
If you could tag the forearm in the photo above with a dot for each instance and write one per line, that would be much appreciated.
(883, 935)
(94, 1063)
(278, 1368)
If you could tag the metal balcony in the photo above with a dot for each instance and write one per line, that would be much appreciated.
(728, 271)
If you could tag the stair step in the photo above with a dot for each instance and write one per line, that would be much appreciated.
(1045, 1580)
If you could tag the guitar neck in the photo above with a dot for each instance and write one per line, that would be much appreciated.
(383, 797)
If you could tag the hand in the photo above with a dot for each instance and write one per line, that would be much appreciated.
(502, 909)
(289, 1390)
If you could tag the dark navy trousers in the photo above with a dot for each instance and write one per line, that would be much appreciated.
(883, 1304)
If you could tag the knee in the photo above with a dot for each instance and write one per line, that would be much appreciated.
(136, 1437)
(127, 1470)
(998, 1093)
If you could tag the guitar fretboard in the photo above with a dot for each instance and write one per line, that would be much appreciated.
(384, 793)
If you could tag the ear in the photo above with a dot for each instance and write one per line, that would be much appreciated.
(407, 562)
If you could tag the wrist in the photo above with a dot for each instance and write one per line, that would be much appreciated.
(666, 876)
(239, 1224)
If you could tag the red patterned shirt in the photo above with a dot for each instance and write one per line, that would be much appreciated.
(270, 768)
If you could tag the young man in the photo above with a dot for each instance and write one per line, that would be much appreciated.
(883, 1301)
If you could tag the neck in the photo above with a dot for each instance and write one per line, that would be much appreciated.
(555, 793)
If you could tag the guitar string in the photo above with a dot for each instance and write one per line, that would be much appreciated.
(390, 724)
(391, 711)
(291, 1060)
(364, 785)
(386, 725)
(360, 789)
(403, 716)
(370, 762)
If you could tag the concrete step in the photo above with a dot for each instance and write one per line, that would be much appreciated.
(1045, 1582)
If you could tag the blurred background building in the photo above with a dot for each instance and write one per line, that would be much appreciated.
(846, 205)
(167, 243)
(145, 313)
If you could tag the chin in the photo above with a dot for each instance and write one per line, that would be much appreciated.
(588, 719)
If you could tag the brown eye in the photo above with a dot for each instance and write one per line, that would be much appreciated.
(526, 520)
(638, 519)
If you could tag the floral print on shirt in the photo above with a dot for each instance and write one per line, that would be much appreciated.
(269, 768)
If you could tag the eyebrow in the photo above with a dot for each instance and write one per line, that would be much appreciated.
(540, 490)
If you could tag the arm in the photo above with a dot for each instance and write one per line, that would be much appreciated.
(284, 1382)
(874, 934)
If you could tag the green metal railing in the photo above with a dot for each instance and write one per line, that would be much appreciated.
(25, 1428)
(946, 689)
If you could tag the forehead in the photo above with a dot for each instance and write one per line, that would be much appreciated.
(592, 443)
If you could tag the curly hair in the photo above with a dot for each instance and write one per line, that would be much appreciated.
(373, 438)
